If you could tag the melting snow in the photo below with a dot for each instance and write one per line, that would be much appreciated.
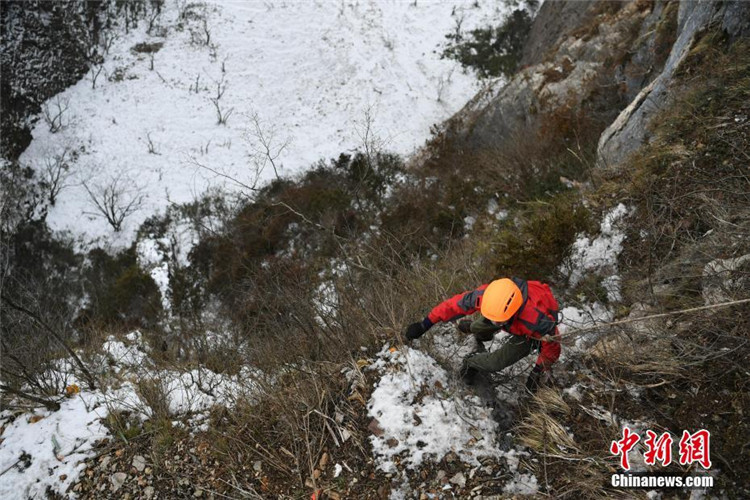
(599, 254)
(421, 418)
(46, 453)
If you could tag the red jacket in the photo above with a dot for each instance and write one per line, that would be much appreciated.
(537, 317)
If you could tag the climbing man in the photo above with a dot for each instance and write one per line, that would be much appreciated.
(526, 309)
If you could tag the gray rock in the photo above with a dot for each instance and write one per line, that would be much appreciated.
(631, 128)
(139, 463)
(148, 492)
(459, 479)
(117, 479)
(552, 21)
(570, 66)
(725, 279)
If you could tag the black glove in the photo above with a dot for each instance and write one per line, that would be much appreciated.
(533, 382)
(464, 326)
(416, 330)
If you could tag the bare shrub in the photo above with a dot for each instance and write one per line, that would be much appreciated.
(41, 368)
(222, 115)
(156, 6)
(96, 52)
(115, 199)
(265, 148)
(55, 173)
(155, 398)
(54, 114)
(151, 146)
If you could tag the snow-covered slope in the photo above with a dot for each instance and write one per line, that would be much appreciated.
(301, 78)
(43, 450)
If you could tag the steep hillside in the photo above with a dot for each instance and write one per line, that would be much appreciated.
(254, 346)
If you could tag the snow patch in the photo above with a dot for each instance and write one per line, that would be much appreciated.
(420, 418)
(522, 484)
(600, 254)
(36, 455)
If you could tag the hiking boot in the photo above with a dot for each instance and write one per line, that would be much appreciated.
(468, 374)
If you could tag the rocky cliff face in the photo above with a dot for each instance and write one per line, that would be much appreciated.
(613, 60)
(593, 54)
(631, 128)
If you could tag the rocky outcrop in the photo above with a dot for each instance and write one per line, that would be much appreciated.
(600, 54)
(553, 20)
(631, 128)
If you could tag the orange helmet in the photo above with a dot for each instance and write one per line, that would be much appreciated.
(501, 300)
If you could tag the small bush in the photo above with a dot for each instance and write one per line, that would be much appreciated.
(147, 48)
(120, 293)
(492, 51)
(533, 241)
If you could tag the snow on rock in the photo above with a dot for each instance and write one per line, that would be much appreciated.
(725, 279)
(600, 254)
(448, 345)
(419, 416)
(305, 79)
(152, 259)
(326, 298)
(46, 453)
(522, 484)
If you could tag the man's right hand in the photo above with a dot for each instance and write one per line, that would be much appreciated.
(414, 331)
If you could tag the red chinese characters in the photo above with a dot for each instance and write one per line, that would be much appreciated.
(624, 445)
(693, 448)
(658, 449)
(696, 448)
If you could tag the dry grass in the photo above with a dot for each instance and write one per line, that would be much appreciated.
(567, 468)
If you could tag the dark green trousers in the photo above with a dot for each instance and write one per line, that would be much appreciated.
(515, 348)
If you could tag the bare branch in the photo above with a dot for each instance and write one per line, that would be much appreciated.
(37, 319)
(55, 172)
(221, 88)
(266, 151)
(49, 404)
(250, 187)
(114, 201)
(54, 116)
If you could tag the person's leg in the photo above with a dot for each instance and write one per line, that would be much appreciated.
(514, 349)
(483, 329)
